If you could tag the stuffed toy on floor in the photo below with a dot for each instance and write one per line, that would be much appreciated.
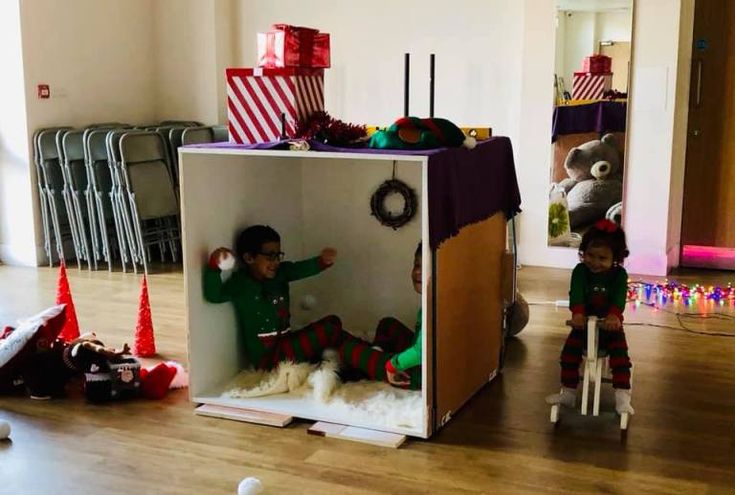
(595, 180)
(413, 133)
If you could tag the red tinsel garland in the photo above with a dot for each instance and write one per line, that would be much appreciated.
(322, 127)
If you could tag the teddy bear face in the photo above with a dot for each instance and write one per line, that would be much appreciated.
(581, 160)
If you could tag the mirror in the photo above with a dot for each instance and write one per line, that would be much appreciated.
(591, 79)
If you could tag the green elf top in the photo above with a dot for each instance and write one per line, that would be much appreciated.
(413, 133)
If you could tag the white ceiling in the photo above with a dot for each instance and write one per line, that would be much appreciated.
(594, 5)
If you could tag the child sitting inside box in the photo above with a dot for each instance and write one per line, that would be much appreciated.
(261, 297)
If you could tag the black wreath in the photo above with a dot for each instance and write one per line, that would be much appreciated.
(377, 203)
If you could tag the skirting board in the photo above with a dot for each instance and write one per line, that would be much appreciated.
(245, 415)
(355, 434)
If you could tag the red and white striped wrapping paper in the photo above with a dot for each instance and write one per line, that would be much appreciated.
(589, 86)
(256, 99)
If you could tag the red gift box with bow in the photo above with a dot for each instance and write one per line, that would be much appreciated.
(293, 46)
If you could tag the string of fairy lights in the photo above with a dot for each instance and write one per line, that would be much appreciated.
(670, 292)
(701, 302)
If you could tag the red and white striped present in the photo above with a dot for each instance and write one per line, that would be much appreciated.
(258, 98)
(589, 86)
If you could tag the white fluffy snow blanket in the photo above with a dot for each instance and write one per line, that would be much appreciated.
(368, 402)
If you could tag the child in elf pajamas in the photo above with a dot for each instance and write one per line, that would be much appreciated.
(404, 368)
(599, 288)
(260, 294)
(395, 354)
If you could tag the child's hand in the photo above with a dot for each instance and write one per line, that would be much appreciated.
(222, 258)
(399, 379)
(612, 323)
(328, 256)
(578, 320)
(395, 377)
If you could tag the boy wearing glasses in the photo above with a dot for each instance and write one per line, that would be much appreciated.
(260, 294)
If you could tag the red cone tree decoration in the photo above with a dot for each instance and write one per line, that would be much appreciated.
(70, 331)
(144, 345)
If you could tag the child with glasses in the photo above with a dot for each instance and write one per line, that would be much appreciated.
(260, 294)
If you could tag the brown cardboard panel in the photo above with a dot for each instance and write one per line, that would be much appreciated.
(469, 312)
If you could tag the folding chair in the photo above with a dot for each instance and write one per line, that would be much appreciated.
(120, 196)
(60, 209)
(103, 189)
(77, 181)
(197, 135)
(184, 123)
(42, 197)
(221, 133)
(174, 138)
(149, 186)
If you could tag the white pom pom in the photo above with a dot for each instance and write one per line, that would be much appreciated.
(226, 262)
(181, 378)
(330, 354)
(250, 486)
(308, 302)
(469, 142)
(325, 380)
(4, 429)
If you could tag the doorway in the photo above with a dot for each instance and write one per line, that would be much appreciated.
(708, 224)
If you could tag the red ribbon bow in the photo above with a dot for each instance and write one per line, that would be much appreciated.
(606, 225)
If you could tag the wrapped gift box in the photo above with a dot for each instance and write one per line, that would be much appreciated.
(589, 86)
(292, 46)
(257, 99)
(597, 64)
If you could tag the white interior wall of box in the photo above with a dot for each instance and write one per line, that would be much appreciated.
(313, 202)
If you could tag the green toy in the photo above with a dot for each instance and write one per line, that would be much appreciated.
(413, 133)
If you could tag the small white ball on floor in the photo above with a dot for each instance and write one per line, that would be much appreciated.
(250, 486)
(4, 429)
(308, 302)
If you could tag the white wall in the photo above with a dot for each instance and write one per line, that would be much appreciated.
(477, 47)
(96, 55)
(97, 58)
(580, 42)
(560, 43)
(581, 32)
(494, 66)
(650, 159)
(654, 173)
(194, 46)
(17, 232)
(372, 277)
(614, 26)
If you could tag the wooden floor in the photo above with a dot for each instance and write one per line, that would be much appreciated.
(681, 440)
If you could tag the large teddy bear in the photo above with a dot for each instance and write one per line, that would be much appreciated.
(595, 182)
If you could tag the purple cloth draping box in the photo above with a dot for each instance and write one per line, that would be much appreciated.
(600, 117)
(465, 186)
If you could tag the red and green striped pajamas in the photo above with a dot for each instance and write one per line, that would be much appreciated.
(263, 316)
(306, 344)
(597, 295)
(615, 344)
(393, 337)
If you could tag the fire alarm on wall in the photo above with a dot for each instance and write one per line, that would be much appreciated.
(44, 91)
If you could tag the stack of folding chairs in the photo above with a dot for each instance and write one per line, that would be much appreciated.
(109, 192)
